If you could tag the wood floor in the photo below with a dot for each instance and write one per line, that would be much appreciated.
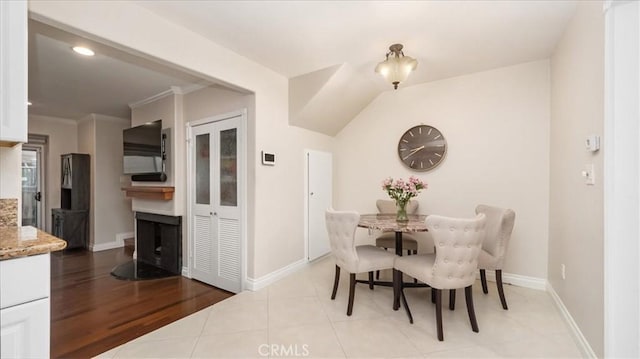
(92, 312)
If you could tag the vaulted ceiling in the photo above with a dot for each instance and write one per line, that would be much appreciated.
(328, 49)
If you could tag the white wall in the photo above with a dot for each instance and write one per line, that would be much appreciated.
(11, 175)
(87, 144)
(576, 210)
(113, 216)
(62, 139)
(208, 102)
(496, 124)
(161, 109)
(278, 208)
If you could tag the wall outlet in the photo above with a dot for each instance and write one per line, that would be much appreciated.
(562, 269)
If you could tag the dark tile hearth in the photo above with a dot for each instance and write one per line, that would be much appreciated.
(136, 270)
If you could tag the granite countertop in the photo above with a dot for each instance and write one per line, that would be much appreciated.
(25, 241)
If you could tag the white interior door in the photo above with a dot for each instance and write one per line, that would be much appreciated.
(319, 177)
(216, 203)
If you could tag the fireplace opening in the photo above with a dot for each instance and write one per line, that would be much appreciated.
(158, 248)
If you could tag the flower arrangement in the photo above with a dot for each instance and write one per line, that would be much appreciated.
(402, 191)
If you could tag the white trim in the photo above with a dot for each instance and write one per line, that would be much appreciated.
(156, 97)
(117, 243)
(621, 181)
(581, 341)
(192, 88)
(106, 246)
(518, 280)
(265, 280)
(185, 272)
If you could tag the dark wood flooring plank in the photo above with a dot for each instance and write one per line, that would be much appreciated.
(92, 311)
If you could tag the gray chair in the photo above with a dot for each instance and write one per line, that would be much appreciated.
(341, 226)
(500, 223)
(454, 265)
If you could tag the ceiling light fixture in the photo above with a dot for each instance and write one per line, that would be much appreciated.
(83, 51)
(29, 103)
(396, 68)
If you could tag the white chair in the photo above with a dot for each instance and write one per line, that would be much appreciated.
(500, 223)
(458, 243)
(341, 226)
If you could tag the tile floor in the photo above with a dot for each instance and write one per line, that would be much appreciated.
(295, 317)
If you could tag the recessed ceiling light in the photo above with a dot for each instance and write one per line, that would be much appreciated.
(83, 51)
(29, 103)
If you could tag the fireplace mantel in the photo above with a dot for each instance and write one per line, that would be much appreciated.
(150, 192)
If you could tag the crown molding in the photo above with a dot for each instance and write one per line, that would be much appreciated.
(156, 97)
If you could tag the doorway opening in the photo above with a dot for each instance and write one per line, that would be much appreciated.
(33, 181)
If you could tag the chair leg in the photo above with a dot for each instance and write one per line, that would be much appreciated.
(472, 314)
(371, 280)
(500, 290)
(452, 299)
(406, 305)
(352, 292)
(438, 295)
(335, 283)
(377, 274)
(483, 280)
(408, 252)
(415, 251)
(433, 295)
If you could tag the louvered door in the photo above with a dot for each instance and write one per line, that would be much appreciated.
(216, 204)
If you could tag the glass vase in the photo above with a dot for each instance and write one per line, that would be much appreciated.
(401, 214)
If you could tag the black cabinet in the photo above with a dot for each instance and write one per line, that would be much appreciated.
(71, 225)
(75, 181)
(71, 222)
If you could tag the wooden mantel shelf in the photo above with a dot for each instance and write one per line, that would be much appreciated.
(150, 192)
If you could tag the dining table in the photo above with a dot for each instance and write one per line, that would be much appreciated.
(388, 223)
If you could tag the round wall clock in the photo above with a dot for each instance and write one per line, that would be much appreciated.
(422, 148)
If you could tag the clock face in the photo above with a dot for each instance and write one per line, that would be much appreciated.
(422, 148)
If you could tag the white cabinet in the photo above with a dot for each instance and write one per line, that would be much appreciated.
(13, 72)
(25, 330)
(24, 307)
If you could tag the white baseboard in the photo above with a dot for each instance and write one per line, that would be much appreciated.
(257, 284)
(583, 344)
(105, 246)
(117, 243)
(519, 280)
(185, 272)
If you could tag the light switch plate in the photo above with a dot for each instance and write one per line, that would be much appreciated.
(589, 174)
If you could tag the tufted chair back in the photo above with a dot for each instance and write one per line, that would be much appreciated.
(499, 227)
(341, 226)
(389, 206)
(458, 243)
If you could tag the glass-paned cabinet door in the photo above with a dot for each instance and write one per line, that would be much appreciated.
(229, 168)
(203, 174)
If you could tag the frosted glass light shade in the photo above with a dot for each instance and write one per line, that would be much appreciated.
(396, 69)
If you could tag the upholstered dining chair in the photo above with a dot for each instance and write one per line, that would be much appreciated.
(458, 243)
(500, 223)
(341, 226)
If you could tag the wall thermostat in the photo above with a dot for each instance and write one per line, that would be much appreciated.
(268, 159)
(592, 143)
